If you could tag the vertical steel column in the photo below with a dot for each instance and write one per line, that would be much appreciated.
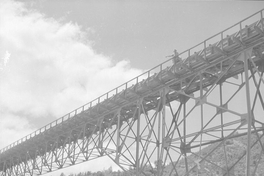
(100, 136)
(222, 125)
(184, 135)
(249, 113)
(118, 137)
(201, 106)
(138, 137)
(221, 105)
(159, 126)
(162, 122)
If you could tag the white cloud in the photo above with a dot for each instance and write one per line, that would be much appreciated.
(4, 60)
(12, 127)
(52, 69)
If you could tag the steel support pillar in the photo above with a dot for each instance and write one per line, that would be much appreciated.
(247, 55)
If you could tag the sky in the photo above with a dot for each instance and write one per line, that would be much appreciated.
(56, 55)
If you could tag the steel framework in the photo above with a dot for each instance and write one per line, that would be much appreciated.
(167, 116)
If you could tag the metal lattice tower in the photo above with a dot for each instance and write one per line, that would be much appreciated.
(169, 114)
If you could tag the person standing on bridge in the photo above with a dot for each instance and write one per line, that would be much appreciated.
(175, 60)
(175, 57)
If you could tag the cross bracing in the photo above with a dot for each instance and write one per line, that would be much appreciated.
(168, 114)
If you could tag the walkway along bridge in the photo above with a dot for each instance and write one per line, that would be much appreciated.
(168, 114)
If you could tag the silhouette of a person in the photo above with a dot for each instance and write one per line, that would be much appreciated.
(176, 58)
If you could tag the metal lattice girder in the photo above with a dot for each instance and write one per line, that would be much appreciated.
(166, 116)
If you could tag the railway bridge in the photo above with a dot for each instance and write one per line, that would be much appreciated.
(180, 114)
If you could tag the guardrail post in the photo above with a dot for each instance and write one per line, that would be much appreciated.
(205, 45)
(240, 28)
(261, 18)
(222, 38)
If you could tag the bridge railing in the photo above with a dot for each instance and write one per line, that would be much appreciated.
(219, 37)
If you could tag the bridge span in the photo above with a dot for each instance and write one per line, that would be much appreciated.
(210, 96)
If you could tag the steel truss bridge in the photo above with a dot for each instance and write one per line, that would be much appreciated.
(168, 114)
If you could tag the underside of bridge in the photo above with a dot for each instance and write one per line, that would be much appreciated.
(167, 115)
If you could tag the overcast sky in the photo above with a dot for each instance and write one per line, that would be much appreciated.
(56, 55)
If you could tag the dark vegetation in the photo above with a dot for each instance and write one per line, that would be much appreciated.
(232, 155)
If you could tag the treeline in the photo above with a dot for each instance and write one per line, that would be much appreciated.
(108, 172)
(148, 171)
